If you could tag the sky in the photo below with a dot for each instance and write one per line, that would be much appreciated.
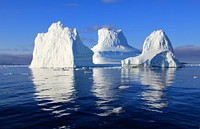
(21, 20)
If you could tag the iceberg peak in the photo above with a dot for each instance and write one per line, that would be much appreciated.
(56, 26)
(157, 41)
(110, 29)
(110, 38)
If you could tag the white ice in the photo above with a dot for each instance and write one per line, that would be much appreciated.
(60, 47)
(157, 52)
(112, 47)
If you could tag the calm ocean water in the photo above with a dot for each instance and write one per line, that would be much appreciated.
(99, 98)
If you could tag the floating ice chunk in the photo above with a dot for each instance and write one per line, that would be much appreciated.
(195, 77)
(117, 110)
(123, 87)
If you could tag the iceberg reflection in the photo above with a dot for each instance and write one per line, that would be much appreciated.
(52, 88)
(155, 83)
(106, 81)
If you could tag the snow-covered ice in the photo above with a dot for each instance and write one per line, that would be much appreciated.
(60, 47)
(157, 52)
(112, 47)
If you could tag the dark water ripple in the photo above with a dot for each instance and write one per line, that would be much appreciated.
(99, 98)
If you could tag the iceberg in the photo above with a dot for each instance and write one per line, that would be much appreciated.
(112, 47)
(157, 52)
(59, 48)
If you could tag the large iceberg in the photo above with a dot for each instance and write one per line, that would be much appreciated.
(112, 47)
(60, 47)
(157, 52)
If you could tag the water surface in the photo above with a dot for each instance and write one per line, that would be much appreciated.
(91, 98)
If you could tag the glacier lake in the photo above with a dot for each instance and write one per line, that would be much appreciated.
(97, 98)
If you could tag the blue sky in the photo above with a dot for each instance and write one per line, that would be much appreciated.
(21, 20)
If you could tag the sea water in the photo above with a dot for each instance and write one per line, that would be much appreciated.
(105, 97)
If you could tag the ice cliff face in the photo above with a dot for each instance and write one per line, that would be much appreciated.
(157, 52)
(112, 47)
(60, 47)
